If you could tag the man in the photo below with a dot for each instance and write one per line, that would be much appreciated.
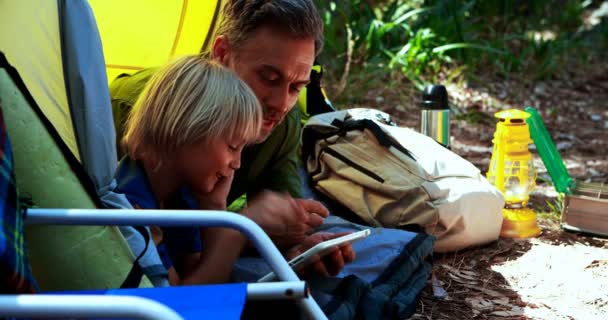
(271, 45)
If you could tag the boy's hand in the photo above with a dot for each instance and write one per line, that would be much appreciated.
(217, 198)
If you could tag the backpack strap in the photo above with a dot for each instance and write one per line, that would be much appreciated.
(135, 275)
(383, 138)
(309, 138)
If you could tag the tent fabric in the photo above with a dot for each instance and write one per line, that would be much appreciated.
(59, 167)
(62, 30)
(89, 102)
(89, 98)
(30, 29)
(144, 33)
(48, 174)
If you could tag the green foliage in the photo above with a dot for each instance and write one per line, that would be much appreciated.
(556, 205)
(238, 204)
(553, 208)
(421, 38)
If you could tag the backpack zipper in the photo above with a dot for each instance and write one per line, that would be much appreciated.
(351, 163)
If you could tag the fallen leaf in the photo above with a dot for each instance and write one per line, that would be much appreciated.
(508, 313)
(438, 290)
(469, 273)
(503, 301)
(479, 303)
(462, 274)
(596, 263)
(463, 281)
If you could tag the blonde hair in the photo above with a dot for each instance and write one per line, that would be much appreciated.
(188, 101)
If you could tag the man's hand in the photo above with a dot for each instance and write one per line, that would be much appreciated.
(287, 221)
(333, 262)
(316, 211)
(217, 198)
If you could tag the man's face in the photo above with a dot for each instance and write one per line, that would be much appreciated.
(275, 65)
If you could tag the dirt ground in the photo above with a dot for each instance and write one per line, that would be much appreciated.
(557, 275)
(573, 106)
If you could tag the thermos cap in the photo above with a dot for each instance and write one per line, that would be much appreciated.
(434, 97)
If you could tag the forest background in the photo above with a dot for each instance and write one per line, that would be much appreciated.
(491, 55)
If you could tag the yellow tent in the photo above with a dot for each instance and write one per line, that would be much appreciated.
(148, 33)
(142, 33)
(58, 116)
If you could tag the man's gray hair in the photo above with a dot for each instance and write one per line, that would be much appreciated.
(300, 18)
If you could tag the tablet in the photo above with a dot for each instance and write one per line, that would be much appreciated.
(318, 251)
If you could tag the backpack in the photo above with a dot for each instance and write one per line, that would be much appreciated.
(394, 177)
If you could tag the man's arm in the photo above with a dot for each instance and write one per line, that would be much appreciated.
(124, 91)
(120, 111)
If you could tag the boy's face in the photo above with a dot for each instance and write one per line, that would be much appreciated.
(275, 65)
(201, 165)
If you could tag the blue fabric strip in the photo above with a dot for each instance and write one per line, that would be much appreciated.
(223, 301)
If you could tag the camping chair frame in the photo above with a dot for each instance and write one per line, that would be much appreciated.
(84, 306)
(293, 288)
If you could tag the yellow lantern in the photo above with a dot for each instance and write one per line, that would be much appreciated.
(512, 172)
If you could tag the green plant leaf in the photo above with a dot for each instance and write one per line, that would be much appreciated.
(453, 46)
(410, 14)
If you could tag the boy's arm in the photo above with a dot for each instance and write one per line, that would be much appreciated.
(221, 249)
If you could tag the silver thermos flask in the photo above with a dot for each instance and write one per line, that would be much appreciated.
(435, 114)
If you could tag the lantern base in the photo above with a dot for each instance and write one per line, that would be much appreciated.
(519, 223)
